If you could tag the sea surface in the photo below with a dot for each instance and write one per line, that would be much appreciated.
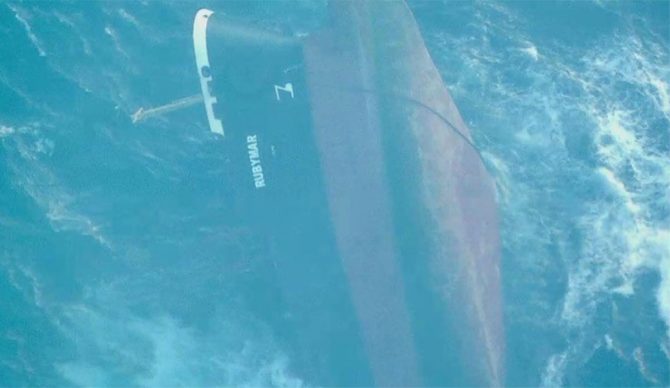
(117, 265)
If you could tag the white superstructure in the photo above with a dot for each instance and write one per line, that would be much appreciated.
(204, 73)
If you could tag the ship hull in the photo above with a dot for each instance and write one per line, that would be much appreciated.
(351, 162)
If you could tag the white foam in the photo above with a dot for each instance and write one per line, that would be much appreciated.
(29, 31)
(129, 18)
(663, 293)
(624, 234)
(662, 92)
(68, 21)
(115, 39)
(23, 279)
(613, 347)
(612, 94)
(83, 374)
(42, 185)
(161, 351)
(64, 20)
(665, 348)
(609, 342)
(63, 218)
(531, 51)
(648, 240)
(638, 356)
(500, 172)
(554, 370)
(5, 131)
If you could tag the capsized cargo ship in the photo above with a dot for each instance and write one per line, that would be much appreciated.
(351, 161)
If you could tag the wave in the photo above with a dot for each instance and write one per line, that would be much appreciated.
(626, 230)
(530, 50)
(634, 167)
(26, 160)
(111, 345)
(161, 351)
(23, 19)
(577, 138)
(5, 131)
(553, 373)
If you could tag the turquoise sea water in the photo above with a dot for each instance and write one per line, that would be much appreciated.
(118, 265)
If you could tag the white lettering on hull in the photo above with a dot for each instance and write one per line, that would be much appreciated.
(255, 160)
